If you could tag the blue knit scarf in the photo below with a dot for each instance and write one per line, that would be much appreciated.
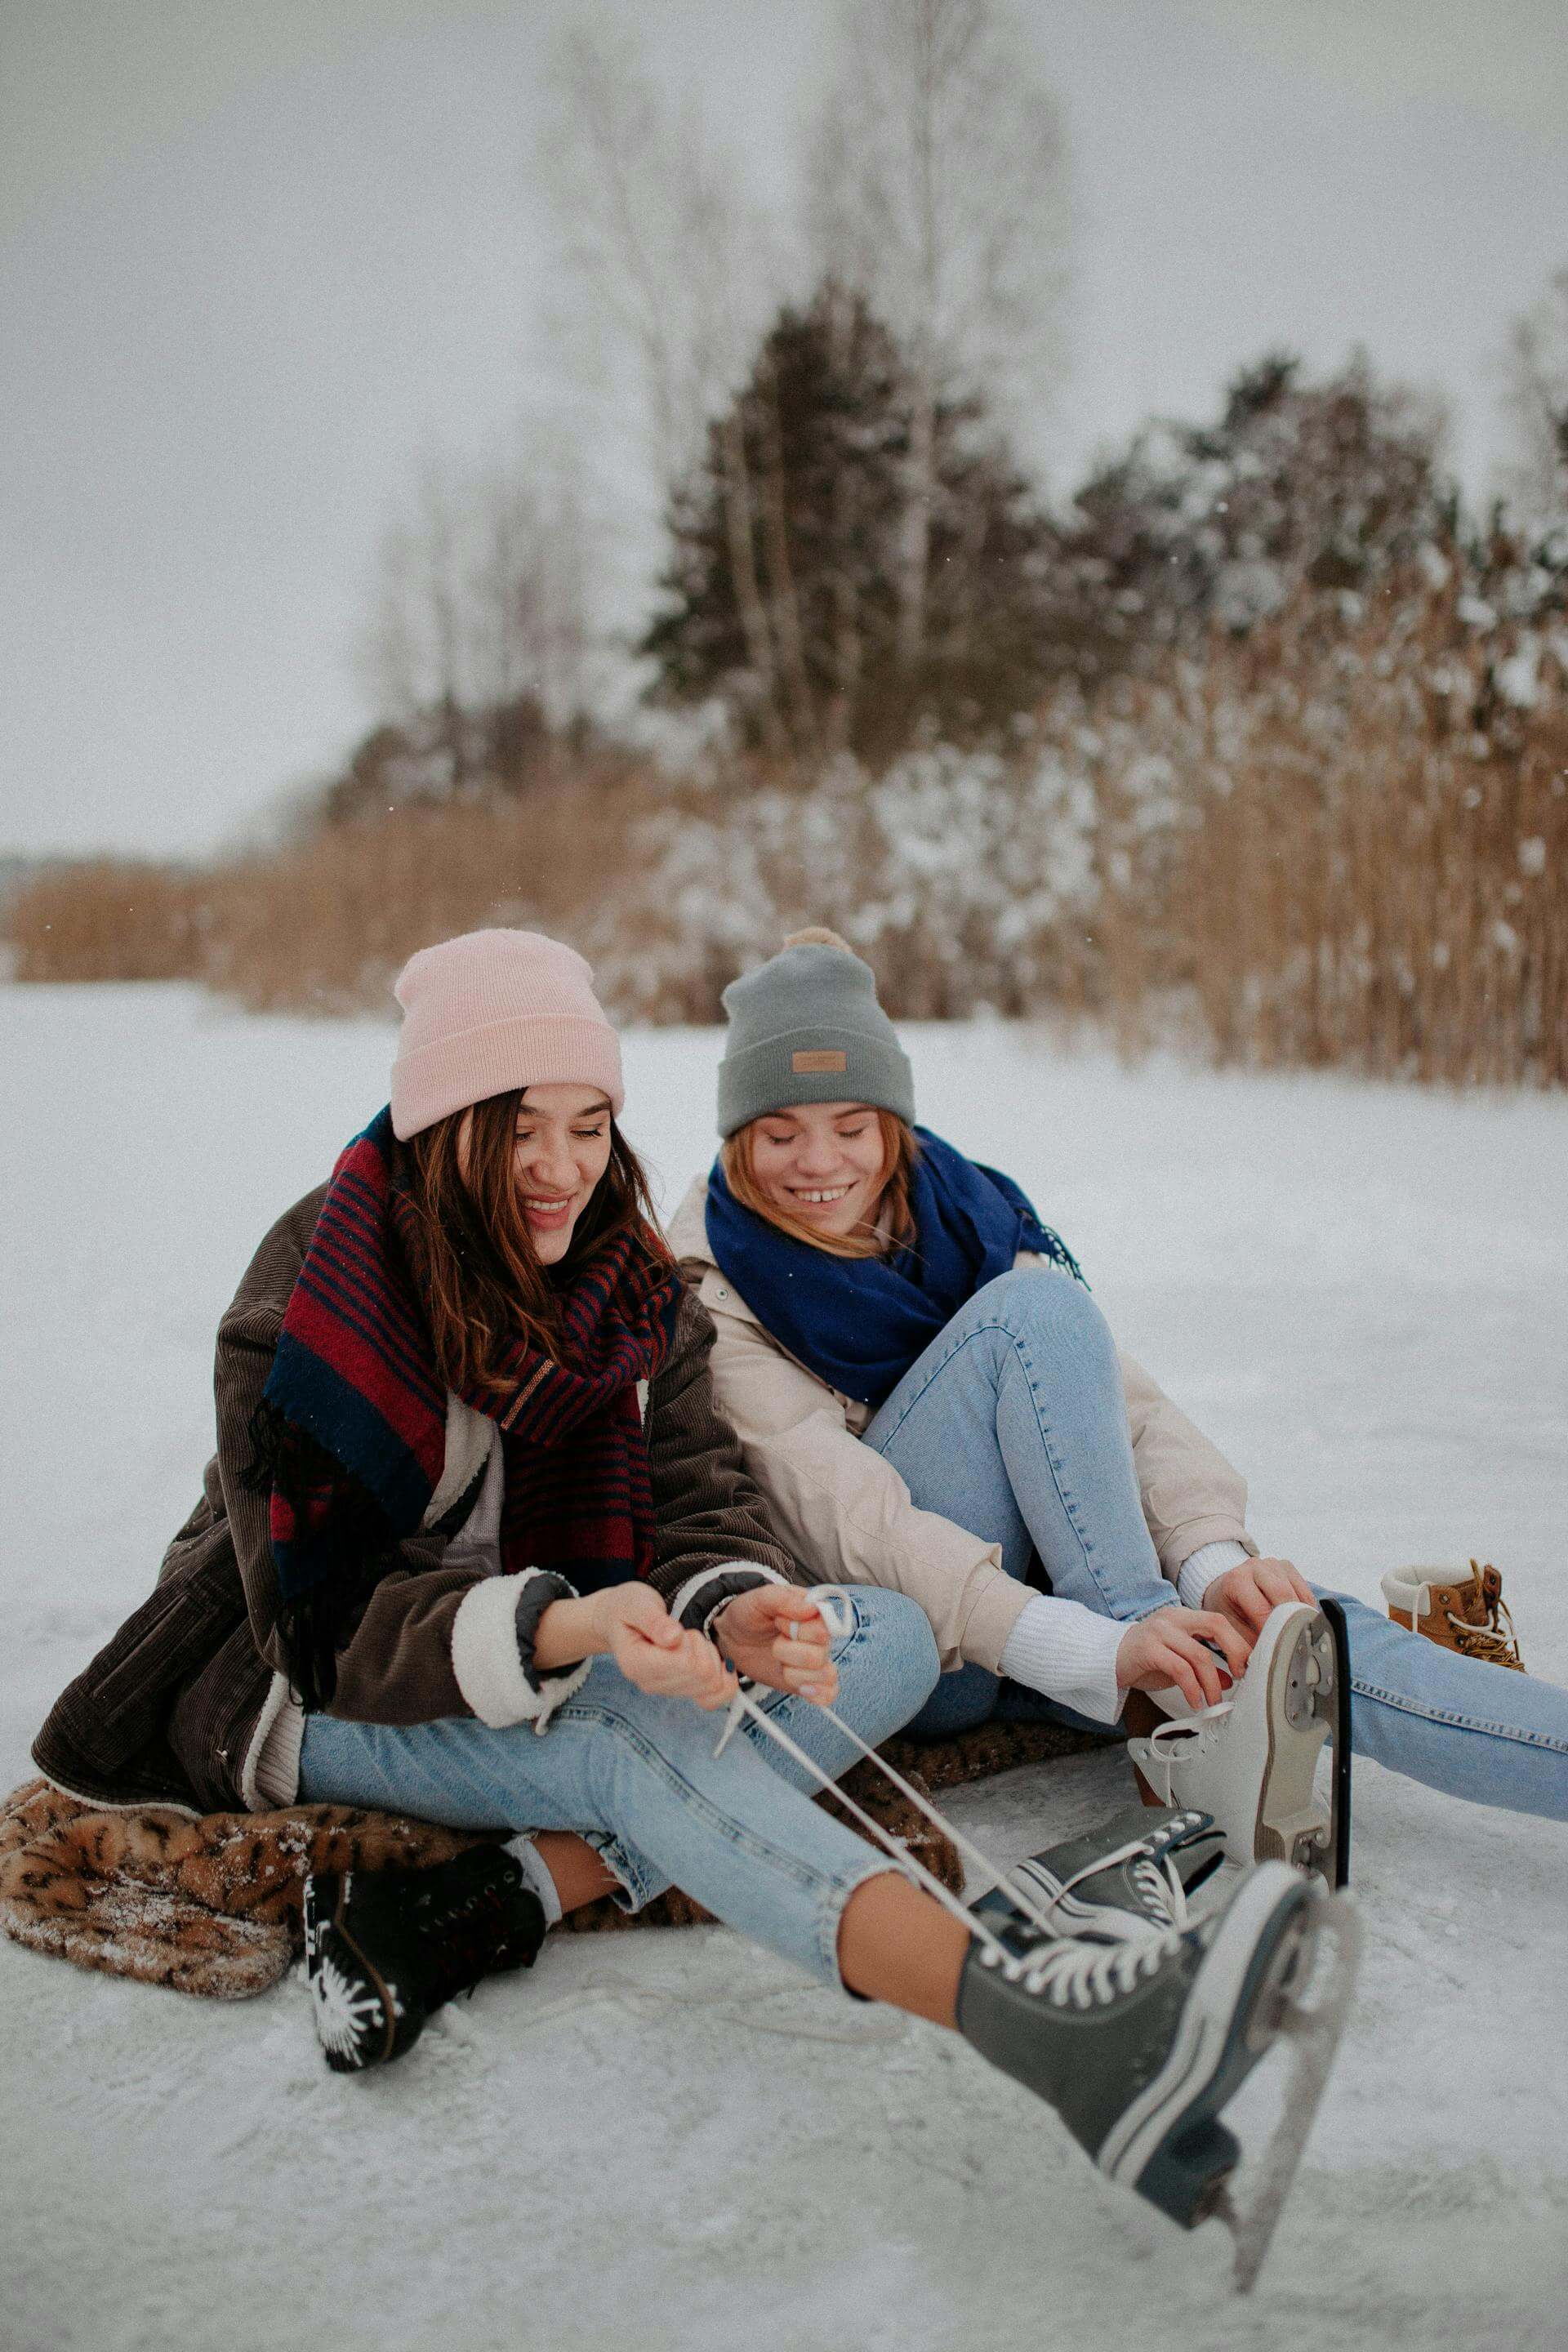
(859, 1323)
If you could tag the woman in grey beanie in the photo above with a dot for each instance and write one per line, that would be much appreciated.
(930, 1397)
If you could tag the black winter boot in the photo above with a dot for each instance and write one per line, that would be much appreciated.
(385, 1950)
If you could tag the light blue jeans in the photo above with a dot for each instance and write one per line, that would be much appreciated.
(637, 1779)
(1013, 1423)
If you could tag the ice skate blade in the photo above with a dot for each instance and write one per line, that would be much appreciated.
(1292, 1824)
(1311, 2033)
(1158, 2146)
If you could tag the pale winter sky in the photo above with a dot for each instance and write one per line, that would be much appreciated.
(256, 256)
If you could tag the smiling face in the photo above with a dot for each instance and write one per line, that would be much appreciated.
(561, 1149)
(821, 1165)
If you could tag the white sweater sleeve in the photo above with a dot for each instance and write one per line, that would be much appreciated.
(1199, 1569)
(1067, 1653)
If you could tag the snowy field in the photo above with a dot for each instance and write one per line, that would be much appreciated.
(667, 2140)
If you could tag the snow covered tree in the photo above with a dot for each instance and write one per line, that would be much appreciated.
(1332, 486)
(1536, 396)
(782, 597)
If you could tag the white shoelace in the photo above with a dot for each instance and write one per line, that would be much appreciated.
(835, 1609)
(1167, 1735)
(1087, 1976)
(1160, 1884)
(1155, 1877)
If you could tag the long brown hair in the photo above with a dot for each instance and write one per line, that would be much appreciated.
(891, 1224)
(485, 1286)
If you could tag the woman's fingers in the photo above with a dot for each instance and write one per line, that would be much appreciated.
(1172, 1668)
(689, 1668)
(801, 1650)
(1280, 1578)
(822, 1689)
(788, 1602)
(1250, 1599)
(1202, 1667)
(822, 1685)
(641, 1608)
(1210, 1625)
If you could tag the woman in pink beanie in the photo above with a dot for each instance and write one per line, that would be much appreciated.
(474, 1537)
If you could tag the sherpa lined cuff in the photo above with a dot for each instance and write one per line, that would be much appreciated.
(704, 1596)
(493, 1636)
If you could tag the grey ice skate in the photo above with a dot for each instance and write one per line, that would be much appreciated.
(1131, 1876)
(1139, 2044)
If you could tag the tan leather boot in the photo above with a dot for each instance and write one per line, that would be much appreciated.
(1465, 1614)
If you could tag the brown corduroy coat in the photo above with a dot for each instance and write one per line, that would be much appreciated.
(178, 1706)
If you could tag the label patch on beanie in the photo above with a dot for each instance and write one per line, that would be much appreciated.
(827, 1057)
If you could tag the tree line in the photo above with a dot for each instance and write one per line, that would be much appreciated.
(1257, 732)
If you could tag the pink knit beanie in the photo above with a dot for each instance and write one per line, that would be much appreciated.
(491, 1010)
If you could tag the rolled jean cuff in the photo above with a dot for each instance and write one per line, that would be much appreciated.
(636, 1882)
(836, 1892)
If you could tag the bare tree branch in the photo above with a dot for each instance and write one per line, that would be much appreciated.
(483, 590)
(1535, 395)
(668, 261)
(936, 186)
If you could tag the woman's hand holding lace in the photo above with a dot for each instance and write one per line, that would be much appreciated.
(774, 1634)
(631, 1625)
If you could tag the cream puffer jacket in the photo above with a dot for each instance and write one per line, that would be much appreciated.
(846, 1513)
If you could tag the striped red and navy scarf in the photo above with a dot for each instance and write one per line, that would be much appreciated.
(351, 1433)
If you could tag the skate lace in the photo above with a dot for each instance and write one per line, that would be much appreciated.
(1156, 1879)
(836, 1610)
(1086, 1976)
(1168, 1736)
(1160, 1885)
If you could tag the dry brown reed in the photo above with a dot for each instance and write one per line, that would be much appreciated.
(1343, 839)
(113, 919)
(1366, 859)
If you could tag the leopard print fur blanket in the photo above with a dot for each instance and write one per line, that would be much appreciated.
(213, 1905)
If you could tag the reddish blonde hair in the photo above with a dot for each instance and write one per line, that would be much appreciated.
(892, 1223)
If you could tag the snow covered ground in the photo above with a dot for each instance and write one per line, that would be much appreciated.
(667, 2140)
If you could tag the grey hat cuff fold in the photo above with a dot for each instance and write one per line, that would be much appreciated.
(765, 1076)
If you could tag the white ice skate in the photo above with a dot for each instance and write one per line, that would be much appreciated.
(1251, 1761)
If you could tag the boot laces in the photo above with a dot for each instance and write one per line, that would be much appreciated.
(468, 1939)
(1089, 1976)
(1494, 1642)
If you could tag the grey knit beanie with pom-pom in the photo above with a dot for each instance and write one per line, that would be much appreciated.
(807, 1028)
